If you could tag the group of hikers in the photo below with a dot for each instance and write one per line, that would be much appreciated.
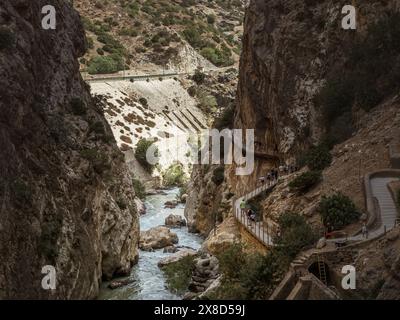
(273, 174)
(251, 215)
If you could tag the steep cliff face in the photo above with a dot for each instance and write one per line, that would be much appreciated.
(291, 49)
(208, 202)
(66, 198)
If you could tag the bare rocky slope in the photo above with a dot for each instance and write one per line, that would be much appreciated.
(66, 197)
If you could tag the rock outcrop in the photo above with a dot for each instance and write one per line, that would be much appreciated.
(225, 235)
(66, 197)
(174, 220)
(205, 276)
(207, 203)
(180, 254)
(157, 238)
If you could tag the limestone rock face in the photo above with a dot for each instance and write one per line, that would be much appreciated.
(205, 274)
(227, 233)
(174, 220)
(141, 208)
(157, 238)
(207, 203)
(66, 197)
(176, 257)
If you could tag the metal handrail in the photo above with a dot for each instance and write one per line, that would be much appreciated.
(253, 227)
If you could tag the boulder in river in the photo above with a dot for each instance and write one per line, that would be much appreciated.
(174, 220)
(176, 257)
(157, 238)
(183, 198)
(170, 249)
(119, 283)
(170, 204)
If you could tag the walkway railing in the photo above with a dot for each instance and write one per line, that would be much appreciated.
(257, 228)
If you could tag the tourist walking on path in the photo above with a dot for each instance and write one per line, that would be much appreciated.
(249, 213)
(364, 231)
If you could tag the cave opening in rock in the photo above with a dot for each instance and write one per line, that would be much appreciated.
(315, 270)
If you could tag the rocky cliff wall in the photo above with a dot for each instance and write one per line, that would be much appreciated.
(290, 49)
(66, 199)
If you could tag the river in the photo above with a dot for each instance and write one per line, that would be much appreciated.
(148, 280)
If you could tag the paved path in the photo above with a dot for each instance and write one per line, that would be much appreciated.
(387, 208)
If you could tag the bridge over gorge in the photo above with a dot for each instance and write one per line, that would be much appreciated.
(132, 75)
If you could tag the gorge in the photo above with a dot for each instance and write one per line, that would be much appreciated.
(83, 103)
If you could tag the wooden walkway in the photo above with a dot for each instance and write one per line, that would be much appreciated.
(387, 213)
(260, 231)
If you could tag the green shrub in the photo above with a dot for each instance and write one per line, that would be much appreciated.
(254, 276)
(207, 102)
(174, 175)
(230, 260)
(78, 106)
(199, 77)
(317, 157)
(192, 91)
(182, 190)
(193, 35)
(106, 64)
(295, 234)
(225, 120)
(140, 153)
(220, 58)
(90, 43)
(337, 211)
(211, 19)
(128, 32)
(178, 274)
(140, 190)
(113, 45)
(7, 38)
(305, 181)
(218, 176)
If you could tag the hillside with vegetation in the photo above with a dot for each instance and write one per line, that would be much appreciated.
(160, 35)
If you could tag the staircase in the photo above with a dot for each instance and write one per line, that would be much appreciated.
(387, 206)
